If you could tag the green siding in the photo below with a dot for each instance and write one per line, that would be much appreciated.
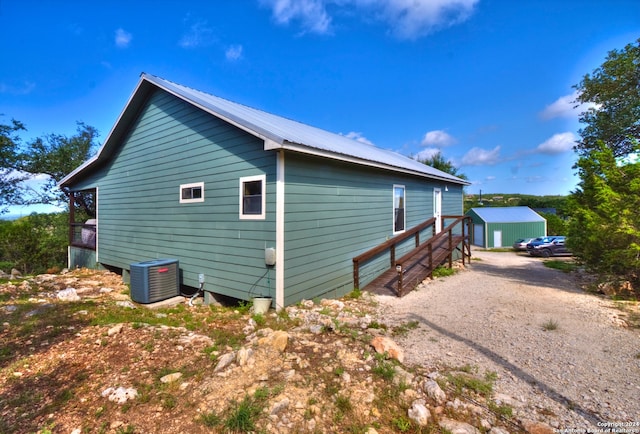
(511, 231)
(335, 211)
(80, 257)
(139, 214)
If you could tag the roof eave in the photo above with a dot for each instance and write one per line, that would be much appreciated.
(301, 148)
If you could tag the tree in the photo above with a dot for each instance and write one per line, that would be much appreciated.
(604, 230)
(34, 243)
(613, 90)
(437, 161)
(10, 179)
(56, 156)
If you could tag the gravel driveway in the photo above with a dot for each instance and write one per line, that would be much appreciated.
(492, 316)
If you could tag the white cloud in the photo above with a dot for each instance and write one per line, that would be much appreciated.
(359, 137)
(233, 53)
(437, 138)
(481, 157)
(489, 178)
(565, 107)
(408, 19)
(123, 38)
(557, 144)
(311, 13)
(426, 154)
(198, 34)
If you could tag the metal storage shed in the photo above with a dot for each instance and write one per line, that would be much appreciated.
(502, 226)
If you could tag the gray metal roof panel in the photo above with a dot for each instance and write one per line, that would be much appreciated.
(508, 214)
(285, 132)
(277, 131)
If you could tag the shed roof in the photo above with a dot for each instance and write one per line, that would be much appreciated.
(508, 214)
(277, 133)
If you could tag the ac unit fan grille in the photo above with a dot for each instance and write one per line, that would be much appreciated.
(153, 281)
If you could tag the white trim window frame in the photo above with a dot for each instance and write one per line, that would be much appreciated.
(192, 193)
(399, 209)
(253, 197)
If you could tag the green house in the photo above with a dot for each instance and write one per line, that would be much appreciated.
(251, 203)
(495, 227)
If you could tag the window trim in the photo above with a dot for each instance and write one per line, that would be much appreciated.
(263, 183)
(191, 185)
(393, 207)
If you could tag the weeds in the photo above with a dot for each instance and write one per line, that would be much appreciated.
(564, 266)
(402, 424)
(464, 381)
(354, 295)
(550, 325)
(210, 420)
(403, 330)
(243, 415)
(441, 271)
(385, 369)
(503, 411)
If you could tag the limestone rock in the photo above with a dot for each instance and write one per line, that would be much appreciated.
(225, 361)
(170, 378)
(278, 340)
(280, 406)
(119, 395)
(419, 413)
(383, 344)
(433, 391)
(457, 427)
(244, 356)
(115, 330)
(68, 294)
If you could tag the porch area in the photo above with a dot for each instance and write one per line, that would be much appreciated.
(406, 272)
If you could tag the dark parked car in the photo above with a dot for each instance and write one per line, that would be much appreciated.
(548, 246)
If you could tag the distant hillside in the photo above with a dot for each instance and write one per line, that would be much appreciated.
(557, 202)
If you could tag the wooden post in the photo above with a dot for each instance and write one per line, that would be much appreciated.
(72, 216)
(392, 256)
(450, 248)
(356, 275)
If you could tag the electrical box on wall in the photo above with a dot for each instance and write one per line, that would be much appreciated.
(270, 256)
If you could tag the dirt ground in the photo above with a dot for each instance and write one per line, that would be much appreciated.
(556, 348)
(61, 362)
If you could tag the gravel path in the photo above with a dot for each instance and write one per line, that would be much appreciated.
(491, 316)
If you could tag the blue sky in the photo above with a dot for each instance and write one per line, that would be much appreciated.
(487, 82)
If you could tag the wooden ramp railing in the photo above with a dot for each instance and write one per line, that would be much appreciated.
(418, 264)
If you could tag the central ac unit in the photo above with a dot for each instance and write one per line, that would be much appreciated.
(155, 280)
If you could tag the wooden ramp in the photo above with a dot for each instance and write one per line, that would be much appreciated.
(410, 270)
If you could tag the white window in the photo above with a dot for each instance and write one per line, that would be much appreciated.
(252, 197)
(398, 209)
(190, 193)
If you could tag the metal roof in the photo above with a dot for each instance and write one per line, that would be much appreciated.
(508, 214)
(276, 131)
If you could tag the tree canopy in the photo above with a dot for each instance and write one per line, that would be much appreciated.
(54, 156)
(437, 161)
(604, 230)
(613, 91)
(9, 178)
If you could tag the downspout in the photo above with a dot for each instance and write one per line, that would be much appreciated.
(280, 264)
